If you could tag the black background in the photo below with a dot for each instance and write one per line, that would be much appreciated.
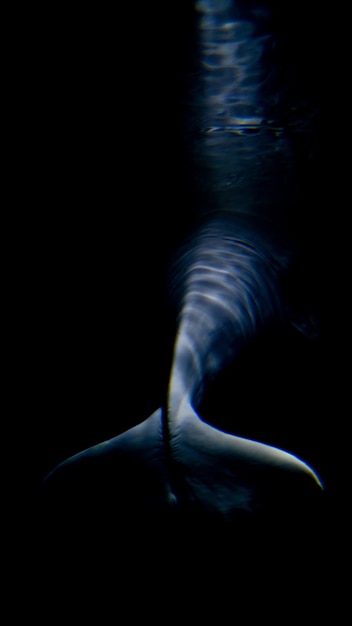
(101, 207)
(99, 202)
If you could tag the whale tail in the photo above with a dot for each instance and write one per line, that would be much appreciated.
(149, 475)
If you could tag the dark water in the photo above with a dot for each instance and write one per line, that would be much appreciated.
(111, 129)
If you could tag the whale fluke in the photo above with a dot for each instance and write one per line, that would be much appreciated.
(140, 476)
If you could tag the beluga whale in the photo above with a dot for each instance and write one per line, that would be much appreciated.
(227, 284)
